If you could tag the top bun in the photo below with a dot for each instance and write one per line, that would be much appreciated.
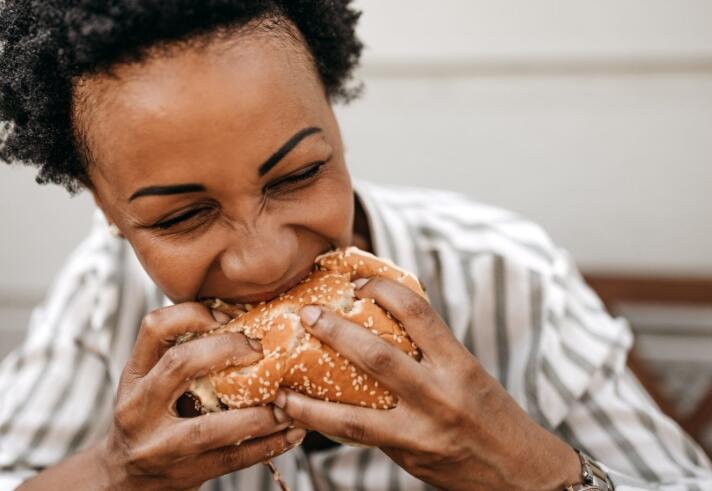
(292, 357)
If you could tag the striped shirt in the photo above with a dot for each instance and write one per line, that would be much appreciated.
(509, 295)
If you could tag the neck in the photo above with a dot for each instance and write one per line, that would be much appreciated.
(361, 232)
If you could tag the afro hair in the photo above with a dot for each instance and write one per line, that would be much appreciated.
(46, 44)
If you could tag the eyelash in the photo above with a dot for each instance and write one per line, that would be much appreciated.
(311, 172)
(167, 224)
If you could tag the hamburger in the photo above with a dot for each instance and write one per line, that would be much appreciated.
(291, 356)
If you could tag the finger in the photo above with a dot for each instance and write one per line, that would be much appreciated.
(160, 328)
(232, 458)
(180, 364)
(372, 427)
(215, 430)
(385, 363)
(221, 317)
(420, 320)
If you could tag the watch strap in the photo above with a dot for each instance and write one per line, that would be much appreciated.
(593, 478)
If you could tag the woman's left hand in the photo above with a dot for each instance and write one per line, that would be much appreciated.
(455, 426)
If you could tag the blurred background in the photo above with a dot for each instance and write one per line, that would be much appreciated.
(591, 118)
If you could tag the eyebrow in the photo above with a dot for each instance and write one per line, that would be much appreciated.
(273, 160)
(166, 190)
(286, 148)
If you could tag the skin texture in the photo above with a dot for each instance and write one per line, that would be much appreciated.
(464, 431)
(211, 115)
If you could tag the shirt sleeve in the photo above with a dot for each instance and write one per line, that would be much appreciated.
(589, 397)
(640, 447)
(56, 387)
(518, 303)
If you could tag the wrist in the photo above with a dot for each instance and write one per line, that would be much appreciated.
(570, 470)
(101, 460)
(566, 468)
(557, 467)
(87, 469)
(110, 465)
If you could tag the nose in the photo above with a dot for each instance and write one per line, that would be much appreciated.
(260, 258)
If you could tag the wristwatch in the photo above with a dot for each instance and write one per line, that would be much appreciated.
(593, 478)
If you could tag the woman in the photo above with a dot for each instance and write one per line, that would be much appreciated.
(207, 138)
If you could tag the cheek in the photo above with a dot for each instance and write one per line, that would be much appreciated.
(176, 267)
(330, 211)
(180, 266)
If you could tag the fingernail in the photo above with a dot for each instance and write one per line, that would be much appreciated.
(279, 415)
(310, 314)
(281, 400)
(221, 317)
(296, 436)
(255, 345)
(359, 283)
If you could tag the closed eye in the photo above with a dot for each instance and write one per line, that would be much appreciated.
(304, 175)
(166, 224)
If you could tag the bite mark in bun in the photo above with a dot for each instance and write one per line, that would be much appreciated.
(295, 359)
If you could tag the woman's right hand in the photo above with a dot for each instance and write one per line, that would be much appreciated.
(149, 446)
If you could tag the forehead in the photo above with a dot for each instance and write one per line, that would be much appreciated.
(215, 102)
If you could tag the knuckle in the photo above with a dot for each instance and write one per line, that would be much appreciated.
(173, 360)
(200, 432)
(354, 428)
(153, 321)
(298, 411)
(377, 357)
(472, 376)
(124, 416)
(129, 376)
(272, 447)
(416, 307)
(257, 419)
(234, 456)
(239, 346)
(452, 417)
(326, 322)
(121, 419)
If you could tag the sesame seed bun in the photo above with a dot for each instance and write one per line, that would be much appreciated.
(295, 359)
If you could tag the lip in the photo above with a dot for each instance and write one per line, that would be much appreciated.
(266, 296)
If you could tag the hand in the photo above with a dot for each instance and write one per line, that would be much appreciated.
(149, 446)
(454, 426)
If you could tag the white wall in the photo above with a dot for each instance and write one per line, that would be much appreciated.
(593, 118)
(576, 29)
(617, 168)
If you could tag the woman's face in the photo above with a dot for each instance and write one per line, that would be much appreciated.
(221, 165)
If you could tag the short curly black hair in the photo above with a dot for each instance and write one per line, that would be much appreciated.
(46, 44)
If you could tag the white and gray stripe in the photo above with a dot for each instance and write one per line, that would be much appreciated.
(509, 295)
